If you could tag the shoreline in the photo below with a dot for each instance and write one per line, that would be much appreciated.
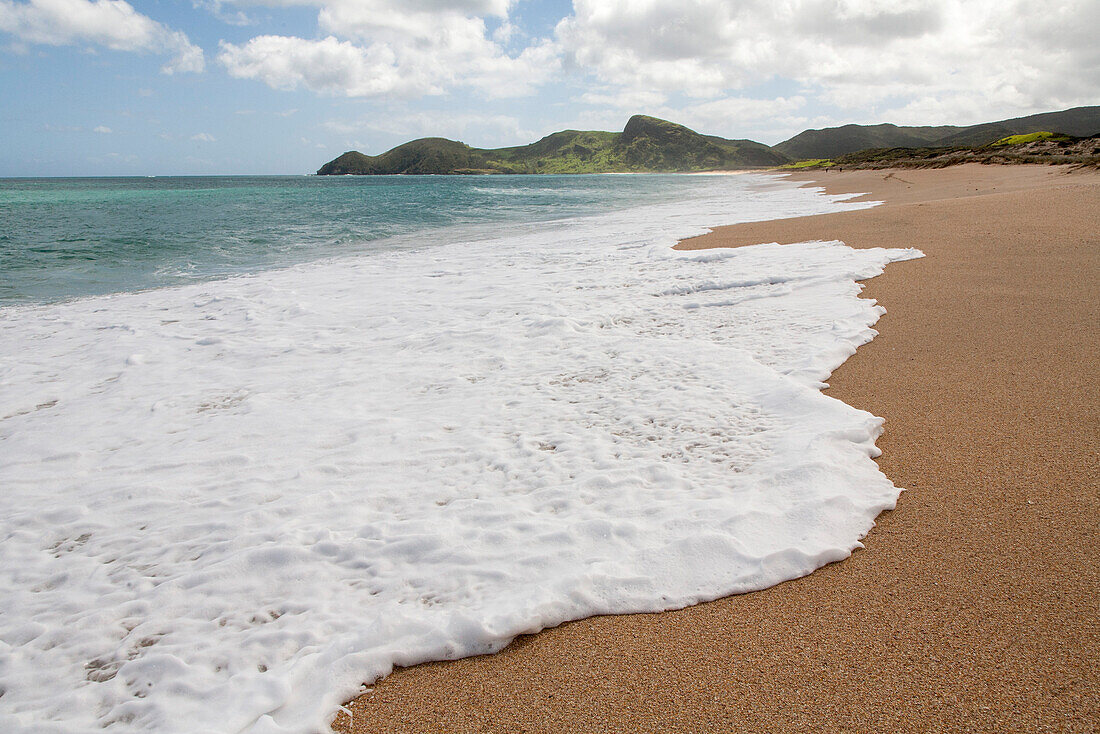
(973, 605)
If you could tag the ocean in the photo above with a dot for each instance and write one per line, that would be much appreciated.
(264, 439)
(65, 238)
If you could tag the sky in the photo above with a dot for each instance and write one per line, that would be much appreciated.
(197, 87)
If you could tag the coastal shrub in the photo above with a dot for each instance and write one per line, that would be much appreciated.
(1027, 138)
(810, 163)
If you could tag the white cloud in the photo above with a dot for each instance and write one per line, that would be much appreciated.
(488, 129)
(920, 61)
(203, 138)
(395, 48)
(113, 24)
(329, 66)
(102, 130)
(625, 99)
(454, 24)
(216, 8)
(740, 117)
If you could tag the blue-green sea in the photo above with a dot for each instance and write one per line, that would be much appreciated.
(64, 238)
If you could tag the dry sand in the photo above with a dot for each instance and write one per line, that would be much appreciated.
(974, 606)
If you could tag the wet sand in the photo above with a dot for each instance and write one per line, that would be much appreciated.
(975, 605)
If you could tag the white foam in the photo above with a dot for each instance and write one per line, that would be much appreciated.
(227, 505)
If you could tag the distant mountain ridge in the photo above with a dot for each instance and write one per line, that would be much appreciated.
(836, 141)
(646, 144)
(651, 145)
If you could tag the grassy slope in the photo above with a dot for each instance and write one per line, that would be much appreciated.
(1028, 138)
(427, 155)
(809, 163)
(646, 144)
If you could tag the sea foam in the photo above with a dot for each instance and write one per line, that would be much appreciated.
(227, 505)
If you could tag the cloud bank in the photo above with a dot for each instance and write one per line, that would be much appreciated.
(914, 61)
(911, 61)
(396, 48)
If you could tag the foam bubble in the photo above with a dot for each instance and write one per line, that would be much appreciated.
(227, 505)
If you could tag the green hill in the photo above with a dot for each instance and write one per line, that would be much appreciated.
(646, 144)
(427, 155)
(1080, 122)
(833, 141)
(1038, 147)
(836, 141)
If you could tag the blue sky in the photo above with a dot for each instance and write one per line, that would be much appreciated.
(107, 87)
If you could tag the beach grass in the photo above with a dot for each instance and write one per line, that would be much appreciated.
(1027, 138)
(809, 163)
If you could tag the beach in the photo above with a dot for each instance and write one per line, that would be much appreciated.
(973, 606)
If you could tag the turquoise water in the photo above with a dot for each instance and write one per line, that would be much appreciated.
(65, 238)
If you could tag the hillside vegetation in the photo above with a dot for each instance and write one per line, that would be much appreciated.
(646, 144)
(837, 141)
(650, 145)
(1028, 138)
(1037, 147)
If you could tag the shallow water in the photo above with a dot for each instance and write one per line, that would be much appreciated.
(61, 238)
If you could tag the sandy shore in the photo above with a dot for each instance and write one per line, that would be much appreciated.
(974, 606)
